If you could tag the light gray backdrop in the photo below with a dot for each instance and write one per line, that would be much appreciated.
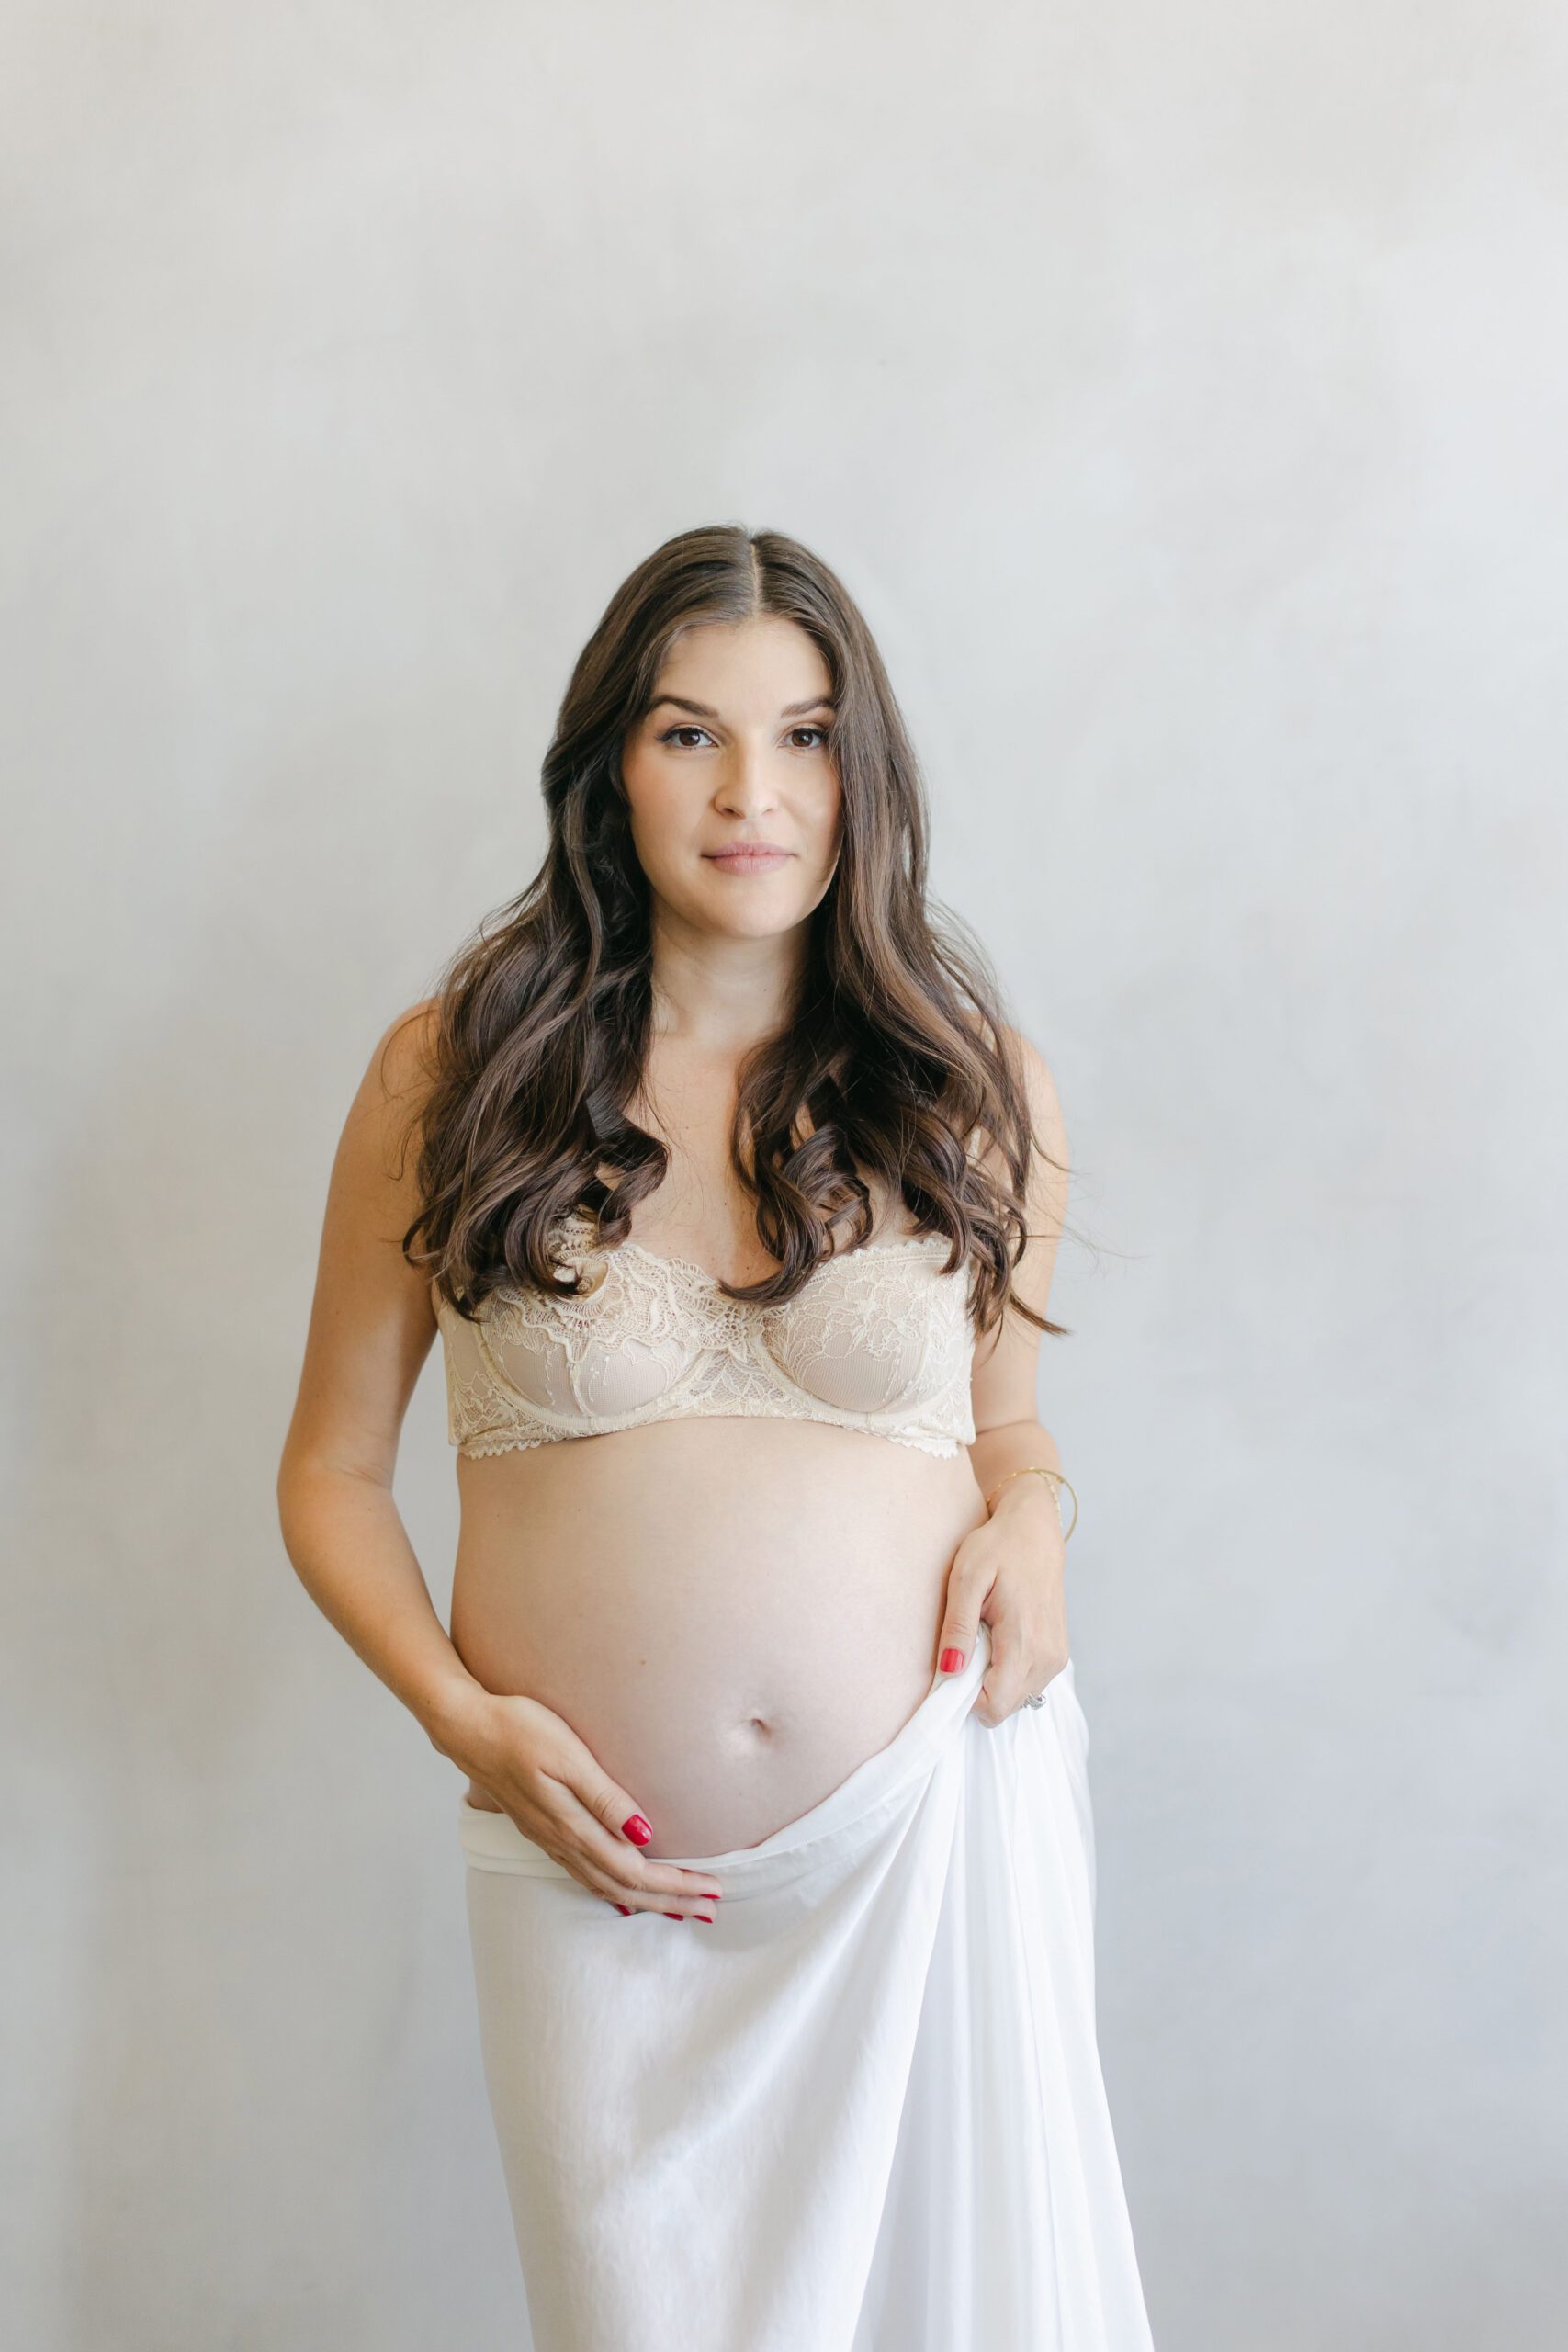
(1183, 393)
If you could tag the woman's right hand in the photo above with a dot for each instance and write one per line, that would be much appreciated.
(553, 1788)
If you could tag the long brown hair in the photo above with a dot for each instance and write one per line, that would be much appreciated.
(894, 1057)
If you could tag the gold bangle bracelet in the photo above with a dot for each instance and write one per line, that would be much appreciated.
(1056, 1478)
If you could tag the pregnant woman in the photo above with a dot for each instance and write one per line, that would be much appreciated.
(733, 1201)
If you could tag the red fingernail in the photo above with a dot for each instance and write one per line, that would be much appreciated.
(707, 1917)
(951, 1660)
(635, 1827)
(674, 1915)
(625, 1909)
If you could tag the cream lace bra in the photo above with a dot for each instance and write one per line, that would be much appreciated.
(878, 1340)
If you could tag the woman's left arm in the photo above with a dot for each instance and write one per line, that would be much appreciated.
(1009, 1571)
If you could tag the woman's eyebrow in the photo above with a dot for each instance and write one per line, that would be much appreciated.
(706, 710)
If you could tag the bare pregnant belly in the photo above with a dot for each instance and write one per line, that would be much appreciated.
(732, 1614)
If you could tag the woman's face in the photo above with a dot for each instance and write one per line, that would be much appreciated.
(733, 753)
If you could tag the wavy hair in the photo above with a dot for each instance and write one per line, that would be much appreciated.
(894, 1060)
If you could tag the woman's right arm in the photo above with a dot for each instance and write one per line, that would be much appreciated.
(372, 1326)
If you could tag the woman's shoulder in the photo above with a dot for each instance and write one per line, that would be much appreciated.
(388, 1107)
(402, 1064)
(405, 1049)
(1040, 1088)
(1034, 1073)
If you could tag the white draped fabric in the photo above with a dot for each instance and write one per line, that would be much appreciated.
(863, 2111)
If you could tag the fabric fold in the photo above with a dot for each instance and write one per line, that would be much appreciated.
(861, 2112)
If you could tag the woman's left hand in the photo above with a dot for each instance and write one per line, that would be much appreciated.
(1010, 1571)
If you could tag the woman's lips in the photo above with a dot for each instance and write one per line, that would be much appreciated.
(745, 861)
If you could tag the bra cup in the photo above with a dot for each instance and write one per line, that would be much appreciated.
(591, 1381)
(552, 1355)
(848, 1382)
(864, 1339)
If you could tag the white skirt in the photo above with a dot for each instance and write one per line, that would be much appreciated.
(863, 2111)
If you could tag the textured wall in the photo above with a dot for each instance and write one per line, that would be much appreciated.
(1182, 391)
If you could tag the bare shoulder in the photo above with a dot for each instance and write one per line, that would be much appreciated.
(1038, 1085)
(1039, 1089)
(404, 1058)
(384, 1118)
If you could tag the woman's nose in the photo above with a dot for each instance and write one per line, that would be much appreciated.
(748, 790)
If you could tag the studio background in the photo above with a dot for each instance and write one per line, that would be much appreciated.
(1183, 395)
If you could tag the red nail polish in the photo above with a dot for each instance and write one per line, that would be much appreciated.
(674, 1915)
(635, 1827)
(625, 1909)
(707, 1917)
(951, 1660)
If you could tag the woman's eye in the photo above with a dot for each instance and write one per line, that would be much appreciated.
(672, 733)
